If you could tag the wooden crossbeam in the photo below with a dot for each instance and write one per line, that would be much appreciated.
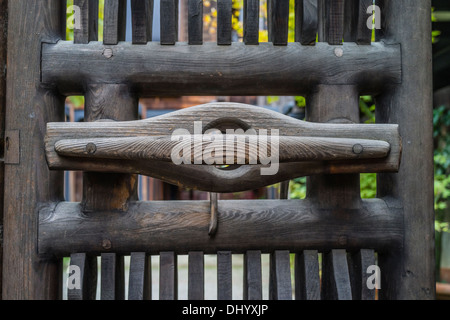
(182, 226)
(220, 70)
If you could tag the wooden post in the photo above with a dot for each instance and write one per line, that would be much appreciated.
(28, 181)
(106, 191)
(409, 273)
(3, 46)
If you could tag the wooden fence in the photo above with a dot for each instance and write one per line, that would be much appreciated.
(395, 231)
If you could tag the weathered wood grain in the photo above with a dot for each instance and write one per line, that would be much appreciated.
(335, 279)
(306, 21)
(168, 276)
(169, 22)
(280, 287)
(251, 22)
(87, 266)
(278, 23)
(89, 21)
(409, 273)
(112, 277)
(210, 69)
(142, 21)
(224, 275)
(114, 21)
(28, 184)
(307, 277)
(139, 283)
(182, 226)
(196, 276)
(355, 22)
(334, 21)
(252, 275)
(195, 22)
(224, 16)
(211, 178)
(358, 263)
(289, 149)
(3, 61)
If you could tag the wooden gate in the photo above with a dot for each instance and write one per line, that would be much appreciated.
(396, 230)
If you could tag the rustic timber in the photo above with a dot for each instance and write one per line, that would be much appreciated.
(89, 22)
(251, 22)
(409, 273)
(278, 21)
(139, 283)
(182, 226)
(169, 21)
(114, 21)
(168, 276)
(252, 275)
(210, 69)
(224, 275)
(280, 287)
(334, 23)
(195, 22)
(307, 277)
(306, 21)
(109, 191)
(355, 18)
(358, 263)
(196, 276)
(3, 61)
(87, 267)
(224, 17)
(336, 279)
(142, 21)
(112, 277)
(210, 178)
(29, 105)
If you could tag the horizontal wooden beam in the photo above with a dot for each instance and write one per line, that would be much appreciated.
(209, 69)
(137, 147)
(182, 226)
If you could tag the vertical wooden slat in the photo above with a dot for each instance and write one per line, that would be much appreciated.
(89, 21)
(224, 275)
(335, 21)
(278, 26)
(195, 22)
(112, 277)
(196, 276)
(169, 22)
(280, 276)
(168, 283)
(358, 263)
(335, 276)
(284, 189)
(114, 21)
(306, 21)
(224, 20)
(252, 275)
(142, 21)
(139, 283)
(251, 22)
(63, 19)
(87, 266)
(307, 278)
(355, 21)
